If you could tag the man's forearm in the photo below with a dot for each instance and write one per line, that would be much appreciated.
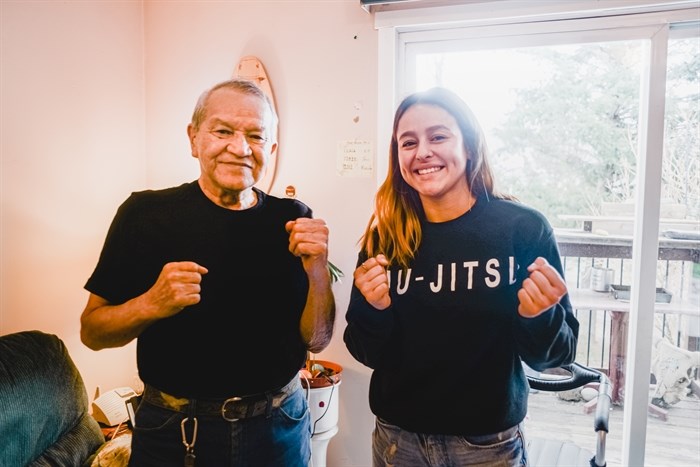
(318, 318)
(107, 326)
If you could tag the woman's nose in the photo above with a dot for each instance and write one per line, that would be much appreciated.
(423, 151)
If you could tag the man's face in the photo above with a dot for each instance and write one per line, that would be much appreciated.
(233, 143)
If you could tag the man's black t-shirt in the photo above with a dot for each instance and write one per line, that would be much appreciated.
(246, 326)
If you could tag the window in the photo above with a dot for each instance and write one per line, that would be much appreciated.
(560, 120)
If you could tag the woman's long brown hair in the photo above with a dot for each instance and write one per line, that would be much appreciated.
(394, 228)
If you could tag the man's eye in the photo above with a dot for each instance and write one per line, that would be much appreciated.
(223, 132)
(256, 137)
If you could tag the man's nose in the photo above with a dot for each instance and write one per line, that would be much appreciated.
(238, 144)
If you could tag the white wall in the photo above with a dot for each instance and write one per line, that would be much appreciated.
(72, 147)
(96, 97)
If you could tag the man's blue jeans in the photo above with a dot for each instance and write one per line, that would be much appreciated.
(392, 446)
(284, 439)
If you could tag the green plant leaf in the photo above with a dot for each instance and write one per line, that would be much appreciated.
(335, 271)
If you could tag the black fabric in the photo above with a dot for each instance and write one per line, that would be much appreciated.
(252, 296)
(44, 418)
(447, 352)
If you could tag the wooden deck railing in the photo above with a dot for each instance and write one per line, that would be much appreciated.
(603, 319)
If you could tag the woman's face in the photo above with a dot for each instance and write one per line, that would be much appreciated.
(432, 157)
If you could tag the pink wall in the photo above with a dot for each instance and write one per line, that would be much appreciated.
(96, 97)
(72, 146)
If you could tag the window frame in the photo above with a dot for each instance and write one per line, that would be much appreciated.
(404, 34)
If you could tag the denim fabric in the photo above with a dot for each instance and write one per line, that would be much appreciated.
(392, 446)
(283, 439)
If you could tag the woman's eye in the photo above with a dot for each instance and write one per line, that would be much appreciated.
(439, 137)
(408, 144)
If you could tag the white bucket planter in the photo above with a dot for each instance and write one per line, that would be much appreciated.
(323, 393)
(323, 403)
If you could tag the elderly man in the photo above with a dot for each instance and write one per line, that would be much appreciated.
(225, 289)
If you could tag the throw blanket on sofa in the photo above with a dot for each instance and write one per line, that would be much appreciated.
(44, 419)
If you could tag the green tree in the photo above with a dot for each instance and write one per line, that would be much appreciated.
(570, 142)
(681, 168)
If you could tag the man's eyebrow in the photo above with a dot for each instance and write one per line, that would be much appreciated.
(218, 121)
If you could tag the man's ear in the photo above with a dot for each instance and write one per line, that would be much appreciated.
(191, 134)
(273, 148)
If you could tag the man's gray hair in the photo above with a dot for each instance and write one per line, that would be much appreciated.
(241, 85)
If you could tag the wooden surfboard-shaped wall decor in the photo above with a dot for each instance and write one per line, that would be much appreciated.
(252, 69)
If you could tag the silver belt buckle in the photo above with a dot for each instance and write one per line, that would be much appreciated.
(223, 409)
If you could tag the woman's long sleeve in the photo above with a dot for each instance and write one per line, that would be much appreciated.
(368, 330)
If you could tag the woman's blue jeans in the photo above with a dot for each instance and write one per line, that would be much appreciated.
(283, 439)
(392, 446)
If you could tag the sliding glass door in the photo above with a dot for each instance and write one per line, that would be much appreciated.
(595, 122)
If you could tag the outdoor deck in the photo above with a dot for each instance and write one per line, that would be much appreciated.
(675, 442)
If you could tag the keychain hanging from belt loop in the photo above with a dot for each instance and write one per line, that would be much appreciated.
(189, 447)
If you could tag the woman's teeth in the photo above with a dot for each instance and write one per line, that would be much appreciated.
(428, 170)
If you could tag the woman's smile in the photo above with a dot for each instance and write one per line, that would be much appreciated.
(429, 170)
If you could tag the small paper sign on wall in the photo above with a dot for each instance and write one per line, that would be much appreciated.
(355, 159)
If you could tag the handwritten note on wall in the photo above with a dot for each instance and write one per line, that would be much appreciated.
(354, 159)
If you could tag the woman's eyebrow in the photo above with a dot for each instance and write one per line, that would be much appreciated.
(406, 133)
(438, 127)
(429, 129)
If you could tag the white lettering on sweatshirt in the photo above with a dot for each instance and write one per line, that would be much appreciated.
(492, 278)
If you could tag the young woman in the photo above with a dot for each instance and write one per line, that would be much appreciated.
(455, 287)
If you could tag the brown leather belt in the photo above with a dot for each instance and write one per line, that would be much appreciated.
(231, 409)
